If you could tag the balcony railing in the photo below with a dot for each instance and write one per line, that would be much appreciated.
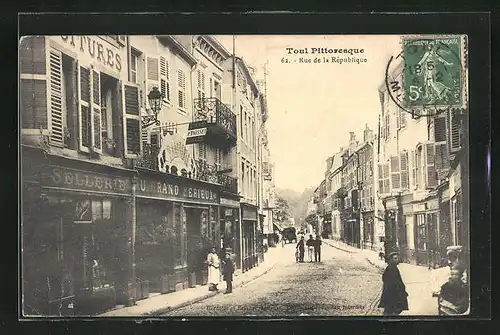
(213, 111)
(229, 184)
(149, 157)
(202, 170)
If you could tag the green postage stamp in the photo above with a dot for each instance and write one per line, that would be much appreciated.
(433, 72)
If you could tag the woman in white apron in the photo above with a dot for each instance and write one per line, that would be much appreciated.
(213, 270)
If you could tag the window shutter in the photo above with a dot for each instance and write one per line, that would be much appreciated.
(181, 85)
(413, 168)
(440, 129)
(34, 85)
(395, 173)
(164, 78)
(403, 119)
(153, 73)
(96, 112)
(32, 59)
(455, 141)
(381, 179)
(430, 169)
(55, 101)
(131, 121)
(84, 114)
(387, 186)
(403, 158)
(442, 160)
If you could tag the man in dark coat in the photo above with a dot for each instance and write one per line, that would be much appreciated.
(301, 248)
(394, 297)
(317, 249)
(227, 272)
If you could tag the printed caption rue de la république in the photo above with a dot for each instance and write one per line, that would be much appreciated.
(324, 55)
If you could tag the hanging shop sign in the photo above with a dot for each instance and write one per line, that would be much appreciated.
(181, 190)
(62, 177)
(95, 48)
(196, 135)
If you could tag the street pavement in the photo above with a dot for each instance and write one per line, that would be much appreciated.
(343, 284)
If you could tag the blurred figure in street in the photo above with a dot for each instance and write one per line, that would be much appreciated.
(394, 297)
(227, 272)
(310, 248)
(317, 249)
(282, 241)
(301, 249)
(213, 263)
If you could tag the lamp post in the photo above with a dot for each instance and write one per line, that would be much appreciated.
(155, 100)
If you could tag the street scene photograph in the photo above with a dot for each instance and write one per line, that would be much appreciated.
(179, 176)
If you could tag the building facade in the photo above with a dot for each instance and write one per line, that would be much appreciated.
(419, 164)
(124, 193)
(242, 87)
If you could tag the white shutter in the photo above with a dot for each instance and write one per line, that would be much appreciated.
(429, 165)
(413, 168)
(395, 173)
(387, 185)
(165, 78)
(96, 112)
(181, 87)
(131, 120)
(56, 98)
(404, 168)
(152, 76)
(84, 105)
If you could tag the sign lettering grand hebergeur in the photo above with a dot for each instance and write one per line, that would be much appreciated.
(176, 190)
(54, 176)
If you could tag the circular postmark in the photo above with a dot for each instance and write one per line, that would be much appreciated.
(427, 77)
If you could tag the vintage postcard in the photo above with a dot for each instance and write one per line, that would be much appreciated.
(244, 175)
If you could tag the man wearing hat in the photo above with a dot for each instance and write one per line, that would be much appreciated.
(394, 297)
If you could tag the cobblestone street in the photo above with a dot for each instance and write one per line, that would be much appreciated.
(341, 285)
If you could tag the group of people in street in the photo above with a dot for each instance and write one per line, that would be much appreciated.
(313, 249)
(216, 267)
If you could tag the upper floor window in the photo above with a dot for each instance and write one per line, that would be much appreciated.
(133, 67)
(77, 104)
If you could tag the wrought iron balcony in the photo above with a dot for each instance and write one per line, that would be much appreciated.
(219, 120)
(229, 184)
(149, 157)
(210, 173)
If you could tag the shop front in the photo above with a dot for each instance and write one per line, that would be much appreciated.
(249, 215)
(77, 224)
(177, 226)
(230, 228)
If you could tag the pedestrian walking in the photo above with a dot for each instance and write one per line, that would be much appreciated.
(317, 249)
(301, 249)
(394, 297)
(310, 248)
(227, 272)
(213, 263)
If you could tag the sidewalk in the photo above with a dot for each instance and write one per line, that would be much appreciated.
(419, 280)
(163, 303)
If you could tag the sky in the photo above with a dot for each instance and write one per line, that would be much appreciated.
(314, 106)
